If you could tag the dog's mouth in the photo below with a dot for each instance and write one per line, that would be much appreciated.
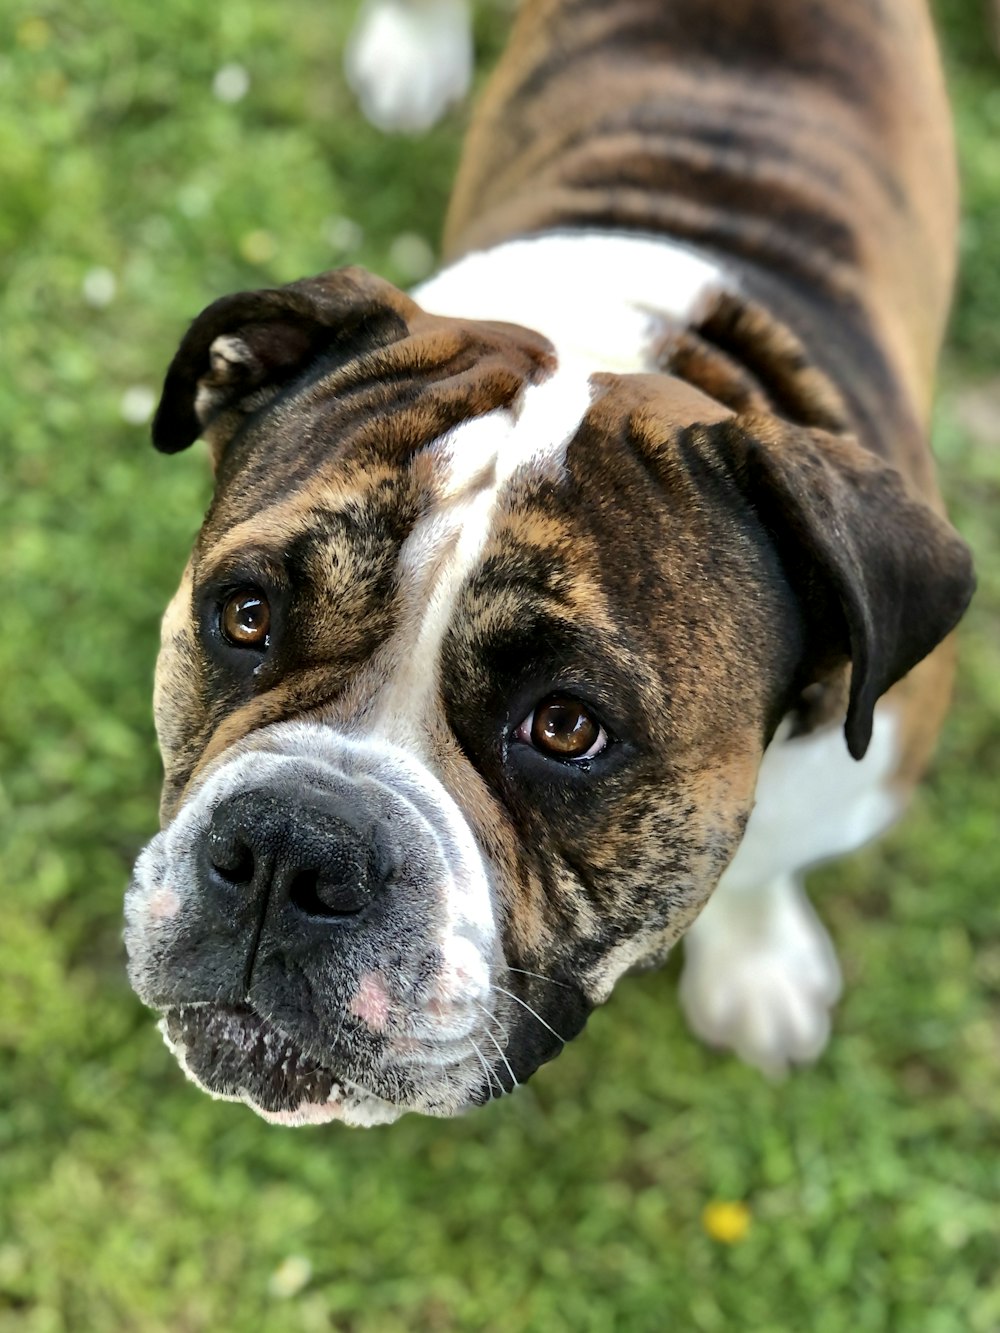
(235, 1054)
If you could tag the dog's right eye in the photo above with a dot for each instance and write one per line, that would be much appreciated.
(245, 620)
(561, 727)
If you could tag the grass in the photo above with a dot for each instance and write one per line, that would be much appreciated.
(130, 1202)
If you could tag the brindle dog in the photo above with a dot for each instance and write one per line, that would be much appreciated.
(465, 695)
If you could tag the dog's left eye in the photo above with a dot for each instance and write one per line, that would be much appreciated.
(245, 619)
(563, 728)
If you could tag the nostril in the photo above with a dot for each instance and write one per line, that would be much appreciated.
(320, 895)
(231, 857)
(303, 893)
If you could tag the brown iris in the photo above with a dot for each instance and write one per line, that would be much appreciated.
(562, 727)
(246, 619)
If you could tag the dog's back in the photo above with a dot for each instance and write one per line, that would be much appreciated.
(808, 145)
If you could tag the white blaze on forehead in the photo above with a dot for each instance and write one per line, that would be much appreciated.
(476, 460)
(600, 299)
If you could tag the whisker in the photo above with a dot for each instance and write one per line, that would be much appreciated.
(490, 1075)
(504, 1033)
(340, 1027)
(525, 1005)
(538, 976)
(493, 1019)
(503, 1057)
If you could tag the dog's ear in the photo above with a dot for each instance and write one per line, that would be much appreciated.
(242, 349)
(881, 576)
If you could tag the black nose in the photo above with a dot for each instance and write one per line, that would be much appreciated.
(316, 852)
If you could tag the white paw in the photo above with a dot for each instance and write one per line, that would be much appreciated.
(408, 60)
(760, 975)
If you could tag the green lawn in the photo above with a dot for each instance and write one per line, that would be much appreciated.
(130, 1202)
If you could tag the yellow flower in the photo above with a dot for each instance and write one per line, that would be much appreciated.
(34, 33)
(257, 247)
(727, 1221)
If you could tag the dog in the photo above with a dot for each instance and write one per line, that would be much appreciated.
(584, 597)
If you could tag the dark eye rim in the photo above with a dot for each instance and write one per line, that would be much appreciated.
(517, 741)
(211, 599)
(244, 590)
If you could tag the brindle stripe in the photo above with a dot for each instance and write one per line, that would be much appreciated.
(738, 353)
(749, 36)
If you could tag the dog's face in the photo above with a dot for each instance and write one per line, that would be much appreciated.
(463, 694)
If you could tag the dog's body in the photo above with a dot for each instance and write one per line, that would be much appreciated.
(465, 694)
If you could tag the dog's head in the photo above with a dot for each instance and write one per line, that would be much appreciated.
(464, 692)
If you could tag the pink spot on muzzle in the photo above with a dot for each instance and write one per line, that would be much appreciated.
(163, 904)
(371, 1003)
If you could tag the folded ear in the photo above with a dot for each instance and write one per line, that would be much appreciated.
(243, 348)
(894, 574)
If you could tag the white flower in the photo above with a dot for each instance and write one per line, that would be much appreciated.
(290, 1276)
(411, 256)
(99, 287)
(231, 83)
(137, 404)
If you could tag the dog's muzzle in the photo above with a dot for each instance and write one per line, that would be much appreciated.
(317, 927)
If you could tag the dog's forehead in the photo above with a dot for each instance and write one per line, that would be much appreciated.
(412, 477)
(391, 528)
(455, 409)
(384, 413)
(392, 536)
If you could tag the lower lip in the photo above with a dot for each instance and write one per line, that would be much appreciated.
(358, 1107)
(309, 1113)
(233, 1035)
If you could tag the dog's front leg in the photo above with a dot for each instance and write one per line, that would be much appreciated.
(409, 60)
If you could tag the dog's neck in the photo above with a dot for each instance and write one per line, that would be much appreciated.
(627, 303)
(602, 299)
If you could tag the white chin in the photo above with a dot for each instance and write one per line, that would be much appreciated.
(362, 1112)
